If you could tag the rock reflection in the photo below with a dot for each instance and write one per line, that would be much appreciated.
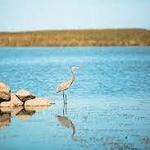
(22, 113)
(25, 115)
(66, 122)
(4, 119)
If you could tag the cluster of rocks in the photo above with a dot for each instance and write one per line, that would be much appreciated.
(20, 98)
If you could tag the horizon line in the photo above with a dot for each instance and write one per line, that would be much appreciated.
(76, 29)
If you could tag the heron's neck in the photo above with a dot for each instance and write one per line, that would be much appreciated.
(72, 76)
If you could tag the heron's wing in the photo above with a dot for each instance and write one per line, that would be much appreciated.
(63, 86)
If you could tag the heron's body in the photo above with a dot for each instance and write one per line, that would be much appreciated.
(63, 86)
(66, 84)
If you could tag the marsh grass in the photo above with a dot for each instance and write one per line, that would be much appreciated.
(105, 37)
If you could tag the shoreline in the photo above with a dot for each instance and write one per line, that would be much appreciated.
(76, 38)
(60, 47)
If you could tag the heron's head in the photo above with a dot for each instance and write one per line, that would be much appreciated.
(73, 68)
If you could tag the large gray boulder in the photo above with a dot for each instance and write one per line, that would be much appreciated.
(24, 95)
(38, 102)
(4, 92)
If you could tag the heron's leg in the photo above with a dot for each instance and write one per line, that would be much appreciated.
(65, 98)
(63, 94)
(66, 103)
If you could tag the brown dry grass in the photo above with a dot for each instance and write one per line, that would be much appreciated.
(107, 37)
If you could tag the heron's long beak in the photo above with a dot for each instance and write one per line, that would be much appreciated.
(78, 67)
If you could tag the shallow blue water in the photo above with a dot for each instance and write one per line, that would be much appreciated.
(108, 102)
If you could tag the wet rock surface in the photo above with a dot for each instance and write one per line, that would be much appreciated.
(20, 98)
(22, 105)
(14, 101)
(38, 102)
(24, 95)
(4, 92)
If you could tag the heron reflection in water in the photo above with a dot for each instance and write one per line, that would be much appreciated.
(66, 121)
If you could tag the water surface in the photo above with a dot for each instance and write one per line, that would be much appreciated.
(108, 104)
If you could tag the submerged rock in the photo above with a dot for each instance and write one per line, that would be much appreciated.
(13, 102)
(4, 92)
(38, 102)
(24, 95)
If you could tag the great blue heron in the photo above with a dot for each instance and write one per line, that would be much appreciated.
(66, 84)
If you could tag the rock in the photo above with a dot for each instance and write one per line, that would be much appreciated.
(13, 102)
(38, 102)
(5, 109)
(4, 92)
(24, 95)
(4, 96)
(35, 108)
(4, 88)
(6, 104)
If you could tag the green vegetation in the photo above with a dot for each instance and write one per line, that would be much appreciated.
(105, 37)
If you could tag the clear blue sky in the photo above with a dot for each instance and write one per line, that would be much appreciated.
(16, 15)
